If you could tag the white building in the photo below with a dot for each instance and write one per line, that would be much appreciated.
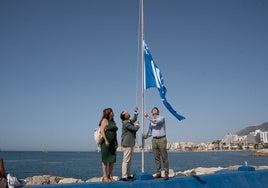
(264, 137)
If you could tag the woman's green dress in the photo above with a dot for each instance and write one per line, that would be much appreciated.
(108, 154)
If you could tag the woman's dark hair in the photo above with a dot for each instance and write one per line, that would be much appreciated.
(105, 115)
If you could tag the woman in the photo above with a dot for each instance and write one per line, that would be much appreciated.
(109, 144)
(3, 175)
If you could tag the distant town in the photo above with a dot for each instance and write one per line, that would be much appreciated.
(254, 140)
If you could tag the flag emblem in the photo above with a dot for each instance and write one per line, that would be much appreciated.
(154, 78)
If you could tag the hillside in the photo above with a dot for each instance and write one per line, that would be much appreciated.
(247, 130)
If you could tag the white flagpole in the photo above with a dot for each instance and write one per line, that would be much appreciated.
(142, 85)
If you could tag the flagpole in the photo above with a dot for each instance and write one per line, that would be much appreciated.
(158, 82)
(142, 84)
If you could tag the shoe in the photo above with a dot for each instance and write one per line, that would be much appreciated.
(125, 179)
(130, 178)
(166, 176)
(156, 176)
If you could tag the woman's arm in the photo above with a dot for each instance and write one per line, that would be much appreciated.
(104, 124)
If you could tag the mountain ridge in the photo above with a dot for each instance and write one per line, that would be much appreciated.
(247, 130)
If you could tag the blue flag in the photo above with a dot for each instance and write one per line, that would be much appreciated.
(153, 78)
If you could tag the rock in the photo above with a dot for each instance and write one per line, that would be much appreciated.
(54, 179)
(70, 180)
(185, 173)
(116, 178)
(261, 167)
(212, 170)
(200, 171)
(95, 179)
(40, 180)
(261, 153)
(180, 174)
(47, 179)
(37, 180)
(235, 167)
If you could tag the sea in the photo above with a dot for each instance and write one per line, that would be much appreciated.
(86, 165)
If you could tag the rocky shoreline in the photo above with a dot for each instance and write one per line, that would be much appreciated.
(261, 153)
(48, 179)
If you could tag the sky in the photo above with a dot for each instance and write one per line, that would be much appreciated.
(63, 61)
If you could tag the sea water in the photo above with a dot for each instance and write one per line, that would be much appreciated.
(85, 165)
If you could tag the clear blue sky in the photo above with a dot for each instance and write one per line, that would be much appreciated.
(63, 61)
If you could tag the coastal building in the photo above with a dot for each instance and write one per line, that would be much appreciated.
(253, 140)
(264, 137)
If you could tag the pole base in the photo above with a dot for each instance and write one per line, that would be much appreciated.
(246, 168)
